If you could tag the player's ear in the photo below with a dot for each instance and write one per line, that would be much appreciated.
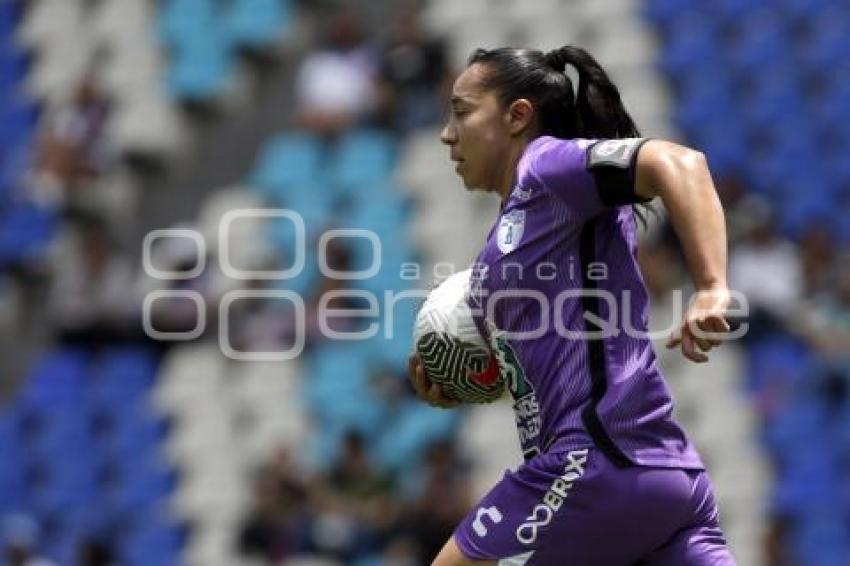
(519, 115)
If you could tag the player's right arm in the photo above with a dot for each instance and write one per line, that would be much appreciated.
(680, 177)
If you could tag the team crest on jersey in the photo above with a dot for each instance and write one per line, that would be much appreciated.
(509, 234)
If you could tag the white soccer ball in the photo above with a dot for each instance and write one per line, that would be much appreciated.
(452, 351)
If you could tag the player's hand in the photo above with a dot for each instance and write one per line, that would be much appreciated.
(425, 389)
(704, 326)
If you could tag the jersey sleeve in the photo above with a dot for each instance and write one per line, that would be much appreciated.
(589, 175)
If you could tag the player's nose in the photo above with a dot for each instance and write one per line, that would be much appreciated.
(448, 135)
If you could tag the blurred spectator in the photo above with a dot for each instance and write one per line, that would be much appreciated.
(20, 536)
(95, 552)
(444, 501)
(261, 324)
(817, 248)
(92, 297)
(766, 268)
(273, 529)
(826, 320)
(414, 75)
(356, 511)
(334, 85)
(71, 150)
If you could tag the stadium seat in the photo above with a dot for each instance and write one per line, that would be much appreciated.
(415, 427)
(153, 544)
(255, 23)
(58, 379)
(13, 66)
(691, 42)
(362, 158)
(200, 69)
(291, 159)
(184, 21)
(759, 41)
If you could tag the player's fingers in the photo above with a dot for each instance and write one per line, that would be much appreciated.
(720, 325)
(438, 399)
(711, 329)
(420, 381)
(675, 338)
(689, 350)
(702, 343)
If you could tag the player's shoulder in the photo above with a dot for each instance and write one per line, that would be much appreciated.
(548, 154)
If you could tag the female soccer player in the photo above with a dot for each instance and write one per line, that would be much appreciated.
(608, 478)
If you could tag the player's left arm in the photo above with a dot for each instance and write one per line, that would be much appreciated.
(679, 176)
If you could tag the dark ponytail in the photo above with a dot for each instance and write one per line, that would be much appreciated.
(599, 108)
(595, 110)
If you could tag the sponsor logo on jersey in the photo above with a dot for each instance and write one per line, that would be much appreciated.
(544, 511)
(491, 513)
(526, 407)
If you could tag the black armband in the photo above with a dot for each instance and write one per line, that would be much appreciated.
(614, 165)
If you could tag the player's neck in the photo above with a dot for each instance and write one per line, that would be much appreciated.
(507, 177)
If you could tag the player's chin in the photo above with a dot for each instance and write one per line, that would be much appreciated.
(469, 183)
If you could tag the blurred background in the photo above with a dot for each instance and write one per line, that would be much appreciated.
(119, 117)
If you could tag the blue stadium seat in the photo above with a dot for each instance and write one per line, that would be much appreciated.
(773, 99)
(663, 13)
(733, 10)
(130, 428)
(199, 70)
(18, 119)
(796, 10)
(153, 543)
(256, 23)
(25, 231)
(182, 20)
(139, 485)
(414, 429)
(692, 42)
(13, 66)
(705, 98)
(779, 360)
(723, 144)
(361, 158)
(58, 379)
(760, 41)
(62, 486)
(821, 539)
(10, 16)
(289, 159)
(827, 43)
(11, 450)
(122, 376)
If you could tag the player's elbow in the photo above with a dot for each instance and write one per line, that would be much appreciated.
(668, 166)
(692, 161)
(664, 166)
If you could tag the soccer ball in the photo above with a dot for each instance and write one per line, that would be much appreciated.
(451, 349)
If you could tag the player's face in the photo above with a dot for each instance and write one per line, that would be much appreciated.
(476, 132)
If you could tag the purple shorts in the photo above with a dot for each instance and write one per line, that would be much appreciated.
(577, 508)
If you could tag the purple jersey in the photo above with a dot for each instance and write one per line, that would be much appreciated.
(558, 293)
